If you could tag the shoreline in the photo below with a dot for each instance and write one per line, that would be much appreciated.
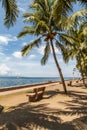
(28, 87)
(12, 85)
(25, 86)
(24, 89)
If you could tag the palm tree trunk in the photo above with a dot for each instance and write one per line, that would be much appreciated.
(81, 69)
(58, 67)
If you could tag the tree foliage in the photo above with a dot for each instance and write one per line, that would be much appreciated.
(11, 12)
(44, 25)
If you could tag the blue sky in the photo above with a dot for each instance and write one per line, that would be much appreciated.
(11, 61)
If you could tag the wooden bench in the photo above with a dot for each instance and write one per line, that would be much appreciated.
(70, 83)
(36, 94)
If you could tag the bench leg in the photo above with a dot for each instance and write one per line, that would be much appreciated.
(32, 98)
(39, 96)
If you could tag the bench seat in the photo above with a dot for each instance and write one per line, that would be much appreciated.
(36, 94)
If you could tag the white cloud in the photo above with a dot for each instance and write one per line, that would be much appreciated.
(21, 9)
(1, 54)
(41, 50)
(24, 43)
(5, 39)
(57, 50)
(31, 57)
(17, 54)
(7, 58)
(4, 70)
(4, 58)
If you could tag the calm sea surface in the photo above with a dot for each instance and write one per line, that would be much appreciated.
(15, 81)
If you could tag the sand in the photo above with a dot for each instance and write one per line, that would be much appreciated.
(56, 111)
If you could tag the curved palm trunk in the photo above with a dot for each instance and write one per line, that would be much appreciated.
(82, 70)
(58, 67)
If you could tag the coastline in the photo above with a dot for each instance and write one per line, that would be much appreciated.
(7, 82)
(23, 88)
(56, 108)
(17, 87)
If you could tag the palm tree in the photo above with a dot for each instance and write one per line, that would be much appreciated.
(75, 40)
(45, 25)
(11, 12)
(11, 9)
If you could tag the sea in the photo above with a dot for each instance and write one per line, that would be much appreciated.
(17, 81)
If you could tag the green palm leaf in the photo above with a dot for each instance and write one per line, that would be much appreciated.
(26, 31)
(46, 54)
(27, 48)
(60, 9)
(59, 45)
(68, 39)
(30, 17)
(74, 19)
(83, 2)
(11, 10)
(40, 27)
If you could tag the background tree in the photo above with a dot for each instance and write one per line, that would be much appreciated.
(11, 12)
(76, 44)
(11, 9)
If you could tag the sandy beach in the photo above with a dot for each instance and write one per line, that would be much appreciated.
(56, 111)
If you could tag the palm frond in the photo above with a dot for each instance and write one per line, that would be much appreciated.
(74, 19)
(59, 45)
(73, 32)
(83, 2)
(67, 54)
(29, 27)
(82, 25)
(30, 17)
(43, 5)
(41, 8)
(66, 4)
(46, 54)
(68, 39)
(64, 51)
(60, 8)
(27, 48)
(41, 26)
(25, 32)
(11, 12)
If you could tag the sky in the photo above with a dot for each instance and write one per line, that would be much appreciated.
(11, 61)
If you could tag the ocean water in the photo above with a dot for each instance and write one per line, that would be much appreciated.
(15, 81)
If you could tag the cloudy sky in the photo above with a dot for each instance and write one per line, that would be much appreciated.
(11, 61)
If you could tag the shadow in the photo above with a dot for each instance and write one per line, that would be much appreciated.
(78, 104)
(78, 85)
(1, 108)
(80, 123)
(50, 93)
(34, 116)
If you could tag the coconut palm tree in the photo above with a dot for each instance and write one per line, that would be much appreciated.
(45, 26)
(11, 12)
(76, 43)
(11, 9)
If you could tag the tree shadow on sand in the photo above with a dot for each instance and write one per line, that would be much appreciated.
(41, 117)
(77, 106)
(50, 93)
(34, 117)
